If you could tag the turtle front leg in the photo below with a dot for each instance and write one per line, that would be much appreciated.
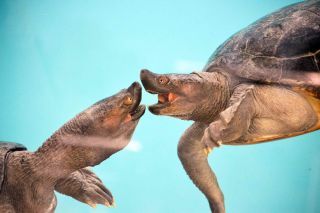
(233, 122)
(84, 186)
(194, 160)
(261, 113)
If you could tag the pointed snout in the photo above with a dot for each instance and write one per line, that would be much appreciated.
(149, 82)
(146, 72)
(134, 88)
(148, 79)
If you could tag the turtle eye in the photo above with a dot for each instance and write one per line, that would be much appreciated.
(128, 100)
(163, 80)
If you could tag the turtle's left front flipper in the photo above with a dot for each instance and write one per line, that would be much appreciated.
(83, 185)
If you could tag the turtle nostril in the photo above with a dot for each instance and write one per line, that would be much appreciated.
(133, 87)
(135, 84)
(144, 71)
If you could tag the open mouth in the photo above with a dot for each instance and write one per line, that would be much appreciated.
(165, 96)
(137, 112)
(164, 100)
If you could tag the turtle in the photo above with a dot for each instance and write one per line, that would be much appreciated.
(83, 185)
(28, 179)
(261, 84)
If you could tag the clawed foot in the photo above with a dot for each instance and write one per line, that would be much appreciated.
(212, 136)
(94, 192)
(86, 187)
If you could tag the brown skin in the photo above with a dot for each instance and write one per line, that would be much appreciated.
(182, 96)
(84, 186)
(227, 111)
(86, 140)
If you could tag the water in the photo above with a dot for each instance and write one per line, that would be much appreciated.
(57, 58)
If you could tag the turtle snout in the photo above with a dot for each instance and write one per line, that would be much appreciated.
(148, 79)
(134, 88)
(135, 91)
(144, 72)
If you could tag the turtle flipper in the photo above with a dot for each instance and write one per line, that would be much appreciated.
(234, 121)
(260, 113)
(84, 186)
(194, 160)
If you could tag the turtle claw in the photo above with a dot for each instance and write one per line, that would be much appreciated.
(93, 205)
(86, 187)
(207, 151)
(212, 136)
(112, 205)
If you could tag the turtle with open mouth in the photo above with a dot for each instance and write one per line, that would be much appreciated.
(28, 179)
(262, 84)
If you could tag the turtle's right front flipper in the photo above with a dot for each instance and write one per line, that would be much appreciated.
(83, 185)
(194, 160)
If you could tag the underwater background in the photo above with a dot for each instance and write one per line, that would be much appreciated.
(59, 57)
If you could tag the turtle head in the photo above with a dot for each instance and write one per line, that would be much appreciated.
(108, 124)
(116, 116)
(95, 134)
(194, 96)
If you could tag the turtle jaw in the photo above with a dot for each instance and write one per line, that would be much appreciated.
(165, 100)
(178, 94)
(124, 121)
(137, 110)
(150, 83)
(156, 108)
(166, 97)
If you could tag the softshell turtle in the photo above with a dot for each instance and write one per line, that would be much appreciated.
(28, 179)
(82, 184)
(262, 84)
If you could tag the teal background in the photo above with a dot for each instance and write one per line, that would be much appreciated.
(59, 57)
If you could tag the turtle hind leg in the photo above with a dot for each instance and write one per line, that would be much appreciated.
(194, 160)
(313, 97)
(282, 113)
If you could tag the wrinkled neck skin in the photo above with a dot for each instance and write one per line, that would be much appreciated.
(217, 97)
(31, 177)
(71, 148)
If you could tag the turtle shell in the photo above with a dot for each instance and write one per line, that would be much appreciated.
(5, 149)
(282, 47)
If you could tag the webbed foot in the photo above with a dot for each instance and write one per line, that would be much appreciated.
(83, 185)
(212, 136)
